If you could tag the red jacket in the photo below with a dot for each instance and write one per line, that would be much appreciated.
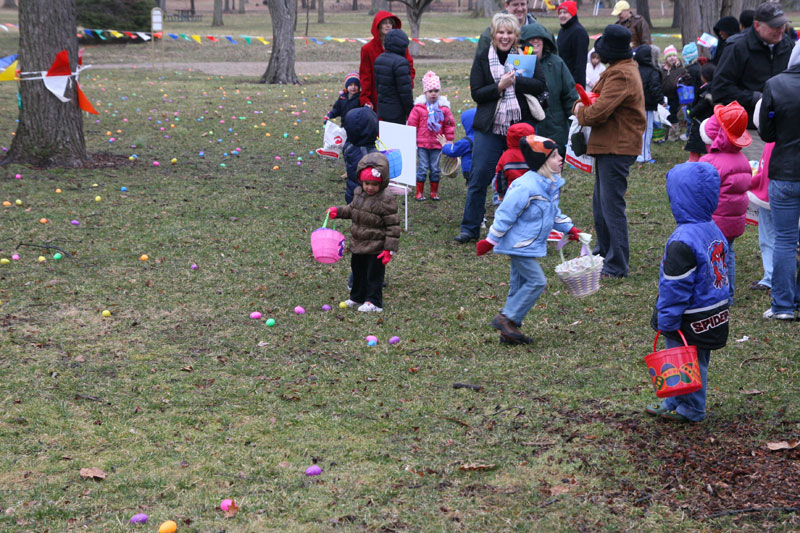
(511, 164)
(369, 53)
(419, 119)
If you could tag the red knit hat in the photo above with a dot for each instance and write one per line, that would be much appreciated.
(370, 174)
(733, 120)
(571, 7)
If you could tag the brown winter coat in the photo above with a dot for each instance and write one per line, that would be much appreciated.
(376, 224)
(640, 30)
(617, 116)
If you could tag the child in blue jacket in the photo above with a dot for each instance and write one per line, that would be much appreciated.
(521, 226)
(361, 126)
(348, 100)
(463, 147)
(693, 281)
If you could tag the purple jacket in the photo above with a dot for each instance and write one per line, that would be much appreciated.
(735, 176)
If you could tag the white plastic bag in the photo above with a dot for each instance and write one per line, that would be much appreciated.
(334, 138)
(584, 162)
(662, 116)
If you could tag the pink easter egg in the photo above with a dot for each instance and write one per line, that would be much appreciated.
(371, 338)
(299, 310)
(255, 315)
(15, 257)
(75, 223)
(226, 504)
(156, 163)
(194, 266)
(18, 176)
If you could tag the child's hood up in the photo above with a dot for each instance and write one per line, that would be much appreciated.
(361, 125)
(516, 132)
(644, 55)
(380, 16)
(534, 29)
(693, 191)
(376, 160)
(467, 118)
(396, 42)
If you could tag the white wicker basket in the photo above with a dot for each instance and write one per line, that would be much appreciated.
(581, 275)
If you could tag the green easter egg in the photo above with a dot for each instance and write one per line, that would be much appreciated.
(57, 256)
(270, 322)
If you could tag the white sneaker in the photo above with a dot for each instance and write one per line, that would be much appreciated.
(684, 137)
(369, 307)
(769, 314)
(351, 303)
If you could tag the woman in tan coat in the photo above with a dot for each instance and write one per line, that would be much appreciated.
(617, 119)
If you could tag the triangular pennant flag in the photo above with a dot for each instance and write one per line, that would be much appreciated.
(129, 34)
(60, 66)
(10, 73)
(212, 38)
(185, 37)
(100, 34)
(417, 41)
(158, 35)
(57, 85)
(231, 39)
(173, 36)
(4, 28)
(197, 39)
(246, 38)
(80, 56)
(84, 102)
(6, 61)
(88, 33)
(143, 36)
(262, 40)
(115, 33)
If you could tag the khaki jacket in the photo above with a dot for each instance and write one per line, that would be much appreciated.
(376, 224)
(617, 117)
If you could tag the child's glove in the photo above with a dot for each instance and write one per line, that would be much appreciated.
(385, 256)
(574, 234)
(332, 212)
(483, 246)
(325, 119)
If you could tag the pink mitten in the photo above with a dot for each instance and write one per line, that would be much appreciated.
(385, 256)
(332, 212)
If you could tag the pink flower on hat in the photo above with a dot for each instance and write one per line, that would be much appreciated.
(431, 81)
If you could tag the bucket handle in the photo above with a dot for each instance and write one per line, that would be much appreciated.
(324, 224)
(655, 342)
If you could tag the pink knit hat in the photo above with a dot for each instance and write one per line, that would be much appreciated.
(431, 81)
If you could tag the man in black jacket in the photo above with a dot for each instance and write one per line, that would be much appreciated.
(749, 61)
(573, 41)
(393, 79)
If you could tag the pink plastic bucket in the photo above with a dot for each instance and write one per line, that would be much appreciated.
(327, 244)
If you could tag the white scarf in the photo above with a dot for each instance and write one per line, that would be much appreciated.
(508, 111)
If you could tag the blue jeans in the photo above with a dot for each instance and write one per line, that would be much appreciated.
(608, 207)
(428, 160)
(487, 149)
(784, 202)
(692, 406)
(766, 242)
(526, 285)
(730, 261)
(647, 138)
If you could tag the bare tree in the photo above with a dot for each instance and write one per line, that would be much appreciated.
(676, 14)
(281, 61)
(643, 9)
(485, 8)
(378, 5)
(50, 132)
(321, 12)
(192, 9)
(698, 16)
(9, 4)
(217, 18)
(242, 3)
(414, 11)
(355, 5)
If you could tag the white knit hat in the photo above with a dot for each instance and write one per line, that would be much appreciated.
(430, 81)
(670, 50)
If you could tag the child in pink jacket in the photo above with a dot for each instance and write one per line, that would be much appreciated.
(725, 134)
(431, 116)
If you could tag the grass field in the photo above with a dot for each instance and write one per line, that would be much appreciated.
(182, 400)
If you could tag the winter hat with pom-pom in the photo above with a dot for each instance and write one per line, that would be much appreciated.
(431, 81)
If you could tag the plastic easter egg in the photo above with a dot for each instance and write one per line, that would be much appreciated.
(156, 163)
(255, 315)
(139, 518)
(75, 223)
(18, 176)
(371, 338)
(18, 201)
(123, 189)
(394, 340)
(168, 527)
(372, 343)
(4, 261)
(43, 220)
(299, 310)
(106, 313)
(95, 185)
(226, 504)
(98, 198)
(276, 167)
(42, 259)
(144, 257)
(130, 158)
(342, 305)
(6, 203)
(313, 470)
(270, 322)
(174, 160)
(202, 154)
(326, 307)
(194, 266)
(57, 256)
(15, 257)
(58, 191)
(222, 165)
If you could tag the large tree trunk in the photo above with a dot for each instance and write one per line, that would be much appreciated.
(355, 5)
(227, 8)
(217, 18)
(486, 8)
(50, 132)
(413, 26)
(242, 3)
(378, 5)
(321, 12)
(281, 62)
(9, 4)
(698, 16)
(676, 14)
(192, 9)
(643, 9)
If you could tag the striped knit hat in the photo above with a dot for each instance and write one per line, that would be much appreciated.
(353, 77)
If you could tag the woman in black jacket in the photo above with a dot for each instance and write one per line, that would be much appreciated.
(653, 95)
(393, 79)
(502, 100)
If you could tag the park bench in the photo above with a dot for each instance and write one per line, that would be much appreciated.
(184, 15)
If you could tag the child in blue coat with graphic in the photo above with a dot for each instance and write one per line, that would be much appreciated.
(693, 281)
(521, 226)
(463, 147)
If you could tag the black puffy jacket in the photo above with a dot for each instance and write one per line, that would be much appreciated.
(573, 47)
(651, 77)
(361, 126)
(778, 123)
(393, 79)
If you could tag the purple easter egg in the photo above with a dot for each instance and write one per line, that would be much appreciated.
(394, 340)
(139, 518)
(326, 307)
(313, 470)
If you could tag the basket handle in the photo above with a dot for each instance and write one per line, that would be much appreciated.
(327, 216)
(584, 249)
(655, 342)
(379, 143)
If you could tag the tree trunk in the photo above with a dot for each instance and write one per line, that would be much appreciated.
(281, 62)
(709, 14)
(676, 14)
(242, 3)
(378, 5)
(227, 8)
(355, 5)
(217, 19)
(690, 20)
(9, 4)
(486, 8)
(413, 26)
(192, 8)
(321, 12)
(50, 132)
(643, 9)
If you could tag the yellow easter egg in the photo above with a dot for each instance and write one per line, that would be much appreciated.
(106, 313)
(58, 191)
(98, 198)
(144, 257)
(42, 259)
(174, 160)
(342, 305)
(4, 261)
(18, 201)
(168, 527)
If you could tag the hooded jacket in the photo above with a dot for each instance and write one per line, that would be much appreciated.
(693, 279)
(617, 116)
(419, 119)
(376, 224)
(573, 45)
(393, 79)
(560, 86)
(745, 68)
(511, 164)
(778, 120)
(735, 176)
(729, 25)
(361, 126)
(370, 52)
(651, 77)
(463, 147)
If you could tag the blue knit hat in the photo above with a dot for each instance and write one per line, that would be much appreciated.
(689, 53)
(353, 77)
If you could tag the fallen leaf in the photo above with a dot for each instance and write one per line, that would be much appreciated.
(751, 392)
(784, 445)
(557, 490)
(80, 359)
(232, 510)
(187, 368)
(92, 473)
(475, 467)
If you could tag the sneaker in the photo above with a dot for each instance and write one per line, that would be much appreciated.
(651, 161)
(509, 332)
(351, 303)
(327, 153)
(369, 307)
(483, 224)
(758, 286)
(675, 416)
(463, 238)
(684, 137)
(769, 314)
(655, 409)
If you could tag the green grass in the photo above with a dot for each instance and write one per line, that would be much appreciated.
(183, 400)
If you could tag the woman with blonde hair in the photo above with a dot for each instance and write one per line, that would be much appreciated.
(502, 98)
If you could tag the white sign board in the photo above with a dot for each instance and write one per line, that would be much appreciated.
(156, 19)
(403, 138)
